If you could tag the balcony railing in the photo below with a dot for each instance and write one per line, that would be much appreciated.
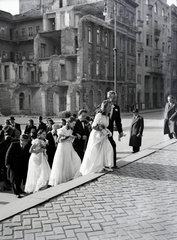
(4, 36)
(156, 52)
(24, 37)
(140, 46)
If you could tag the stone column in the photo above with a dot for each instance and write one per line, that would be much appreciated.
(44, 101)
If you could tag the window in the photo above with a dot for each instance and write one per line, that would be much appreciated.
(106, 39)
(139, 14)
(16, 34)
(106, 69)
(97, 67)
(21, 101)
(98, 36)
(146, 60)
(89, 34)
(21, 72)
(147, 40)
(147, 19)
(163, 12)
(17, 56)
(23, 54)
(6, 72)
(60, 3)
(30, 32)
(163, 47)
(23, 32)
(150, 62)
(89, 66)
(37, 29)
(30, 55)
(155, 7)
(43, 46)
(121, 70)
(139, 58)
(139, 78)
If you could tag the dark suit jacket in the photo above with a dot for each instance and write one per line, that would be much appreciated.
(28, 129)
(170, 118)
(137, 127)
(42, 125)
(115, 117)
(17, 126)
(80, 144)
(17, 158)
(51, 148)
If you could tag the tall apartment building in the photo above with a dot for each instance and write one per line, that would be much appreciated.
(154, 53)
(58, 55)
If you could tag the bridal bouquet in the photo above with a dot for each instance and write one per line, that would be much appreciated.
(101, 127)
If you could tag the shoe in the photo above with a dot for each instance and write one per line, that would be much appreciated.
(174, 135)
(108, 169)
(18, 195)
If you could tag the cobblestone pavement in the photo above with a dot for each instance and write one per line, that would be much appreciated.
(138, 201)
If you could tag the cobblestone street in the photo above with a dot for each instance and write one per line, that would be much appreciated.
(138, 201)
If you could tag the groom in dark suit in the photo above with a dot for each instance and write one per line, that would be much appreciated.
(81, 132)
(114, 117)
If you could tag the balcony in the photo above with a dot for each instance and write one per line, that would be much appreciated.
(169, 38)
(156, 52)
(157, 70)
(24, 37)
(140, 22)
(139, 46)
(4, 37)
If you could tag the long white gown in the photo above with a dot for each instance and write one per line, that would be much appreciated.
(66, 161)
(99, 152)
(38, 169)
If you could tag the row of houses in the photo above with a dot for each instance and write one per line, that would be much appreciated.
(60, 56)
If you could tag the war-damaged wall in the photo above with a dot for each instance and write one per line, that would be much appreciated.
(26, 5)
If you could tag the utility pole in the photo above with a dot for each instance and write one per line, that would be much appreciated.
(115, 46)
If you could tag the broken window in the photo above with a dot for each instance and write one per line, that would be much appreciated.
(21, 100)
(30, 32)
(6, 72)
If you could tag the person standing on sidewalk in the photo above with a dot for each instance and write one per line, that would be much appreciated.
(170, 118)
(136, 132)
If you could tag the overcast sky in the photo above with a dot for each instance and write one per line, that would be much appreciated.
(12, 6)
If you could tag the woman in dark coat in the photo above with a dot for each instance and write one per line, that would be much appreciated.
(170, 118)
(136, 132)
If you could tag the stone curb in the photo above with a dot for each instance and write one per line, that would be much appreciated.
(37, 198)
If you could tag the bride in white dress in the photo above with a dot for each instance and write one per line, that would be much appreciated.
(38, 167)
(99, 152)
(66, 161)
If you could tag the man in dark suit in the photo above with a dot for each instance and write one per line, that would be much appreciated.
(52, 143)
(16, 161)
(170, 118)
(136, 132)
(81, 132)
(15, 125)
(41, 124)
(114, 118)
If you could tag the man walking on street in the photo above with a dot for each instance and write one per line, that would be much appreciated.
(114, 118)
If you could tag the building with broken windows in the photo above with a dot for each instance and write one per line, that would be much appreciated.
(59, 55)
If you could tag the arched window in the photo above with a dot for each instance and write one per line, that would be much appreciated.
(21, 101)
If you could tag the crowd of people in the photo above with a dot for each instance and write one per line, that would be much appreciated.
(49, 154)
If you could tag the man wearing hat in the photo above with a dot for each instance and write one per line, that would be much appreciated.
(15, 125)
(16, 161)
(136, 131)
(41, 124)
(81, 132)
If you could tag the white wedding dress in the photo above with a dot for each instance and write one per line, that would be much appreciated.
(99, 151)
(66, 161)
(38, 169)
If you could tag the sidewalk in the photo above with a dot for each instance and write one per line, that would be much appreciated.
(137, 201)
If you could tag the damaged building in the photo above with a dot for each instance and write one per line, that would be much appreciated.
(58, 56)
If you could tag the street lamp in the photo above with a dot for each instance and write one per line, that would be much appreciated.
(115, 47)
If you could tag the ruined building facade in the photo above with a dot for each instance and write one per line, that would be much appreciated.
(59, 55)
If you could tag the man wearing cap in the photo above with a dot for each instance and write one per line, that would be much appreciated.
(15, 125)
(81, 132)
(136, 131)
(16, 161)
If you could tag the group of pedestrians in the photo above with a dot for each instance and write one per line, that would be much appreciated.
(50, 154)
